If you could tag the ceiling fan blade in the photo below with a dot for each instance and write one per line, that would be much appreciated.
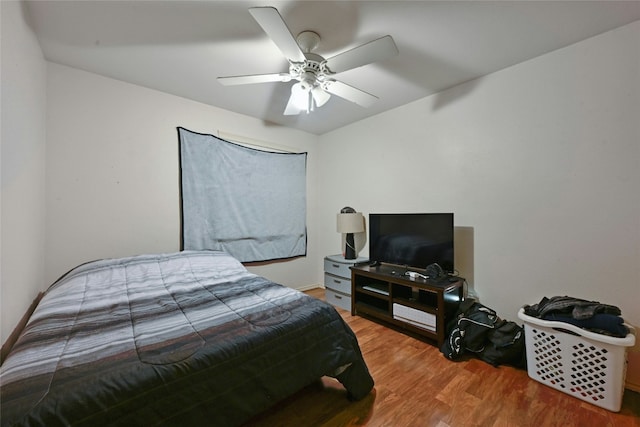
(350, 93)
(275, 27)
(255, 78)
(320, 96)
(376, 50)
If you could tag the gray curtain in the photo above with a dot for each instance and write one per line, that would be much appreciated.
(249, 203)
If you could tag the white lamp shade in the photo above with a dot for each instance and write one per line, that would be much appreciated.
(320, 96)
(350, 222)
(300, 97)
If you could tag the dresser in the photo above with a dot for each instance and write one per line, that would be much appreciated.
(337, 280)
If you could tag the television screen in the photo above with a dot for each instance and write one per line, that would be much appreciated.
(414, 239)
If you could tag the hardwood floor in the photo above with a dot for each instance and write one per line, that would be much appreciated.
(417, 386)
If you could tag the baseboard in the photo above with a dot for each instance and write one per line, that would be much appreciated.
(309, 287)
(632, 387)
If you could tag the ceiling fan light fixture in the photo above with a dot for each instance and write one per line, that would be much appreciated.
(320, 97)
(300, 95)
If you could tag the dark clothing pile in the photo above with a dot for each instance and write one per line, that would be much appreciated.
(477, 330)
(590, 315)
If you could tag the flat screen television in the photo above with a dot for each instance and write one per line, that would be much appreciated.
(412, 239)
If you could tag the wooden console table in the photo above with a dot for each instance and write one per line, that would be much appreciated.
(422, 306)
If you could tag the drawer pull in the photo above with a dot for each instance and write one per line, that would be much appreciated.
(335, 265)
(336, 281)
(337, 297)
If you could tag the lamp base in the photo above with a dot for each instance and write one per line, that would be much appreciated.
(350, 249)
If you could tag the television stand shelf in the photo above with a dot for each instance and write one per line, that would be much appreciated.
(421, 306)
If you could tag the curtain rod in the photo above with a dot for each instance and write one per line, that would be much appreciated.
(252, 142)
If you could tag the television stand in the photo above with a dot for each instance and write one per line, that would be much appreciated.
(420, 306)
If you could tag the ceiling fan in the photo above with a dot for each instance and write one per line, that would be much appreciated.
(313, 73)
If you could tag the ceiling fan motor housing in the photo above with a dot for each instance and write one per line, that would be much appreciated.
(311, 72)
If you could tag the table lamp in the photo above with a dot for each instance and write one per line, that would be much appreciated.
(349, 222)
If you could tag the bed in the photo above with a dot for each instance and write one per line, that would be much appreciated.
(189, 338)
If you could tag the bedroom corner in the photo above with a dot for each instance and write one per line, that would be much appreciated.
(23, 152)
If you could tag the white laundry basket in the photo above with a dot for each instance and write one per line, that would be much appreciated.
(583, 364)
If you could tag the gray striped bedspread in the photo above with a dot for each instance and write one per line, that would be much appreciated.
(189, 338)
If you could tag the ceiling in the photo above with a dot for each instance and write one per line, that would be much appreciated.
(180, 47)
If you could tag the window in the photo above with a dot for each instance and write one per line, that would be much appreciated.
(249, 203)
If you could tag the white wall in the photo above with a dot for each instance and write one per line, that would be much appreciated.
(112, 170)
(22, 208)
(539, 162)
